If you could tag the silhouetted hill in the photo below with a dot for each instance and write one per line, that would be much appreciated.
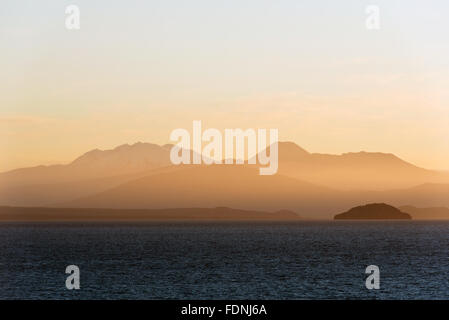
(434, 213)
(237, 186)
(373, 211)
(88, 214)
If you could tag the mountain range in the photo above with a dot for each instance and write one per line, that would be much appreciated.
(141, 176)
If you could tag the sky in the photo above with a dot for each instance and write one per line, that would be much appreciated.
(136, 70)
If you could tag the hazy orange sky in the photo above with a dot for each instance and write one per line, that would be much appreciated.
(136, 70)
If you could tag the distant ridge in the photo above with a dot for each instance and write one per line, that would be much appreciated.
(193, 214)
(433, 213)
(354, 170)
(137, 152)
(124, 159)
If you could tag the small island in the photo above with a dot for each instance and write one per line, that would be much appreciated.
(373, 211)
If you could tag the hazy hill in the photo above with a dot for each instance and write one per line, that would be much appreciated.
(425, 195)
(211, 186)
(354, 171)
(51, 193)
(124, 159)
(242, 187)
(433, 213)
(90, 173)
(373, 211)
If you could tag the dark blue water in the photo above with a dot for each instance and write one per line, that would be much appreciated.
(301, 260)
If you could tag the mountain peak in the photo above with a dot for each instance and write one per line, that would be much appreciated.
(137, 145)
(124, 158)
(290, 151)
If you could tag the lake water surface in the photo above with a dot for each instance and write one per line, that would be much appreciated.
(294, 260)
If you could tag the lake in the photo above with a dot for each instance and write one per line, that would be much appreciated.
(226, 260)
